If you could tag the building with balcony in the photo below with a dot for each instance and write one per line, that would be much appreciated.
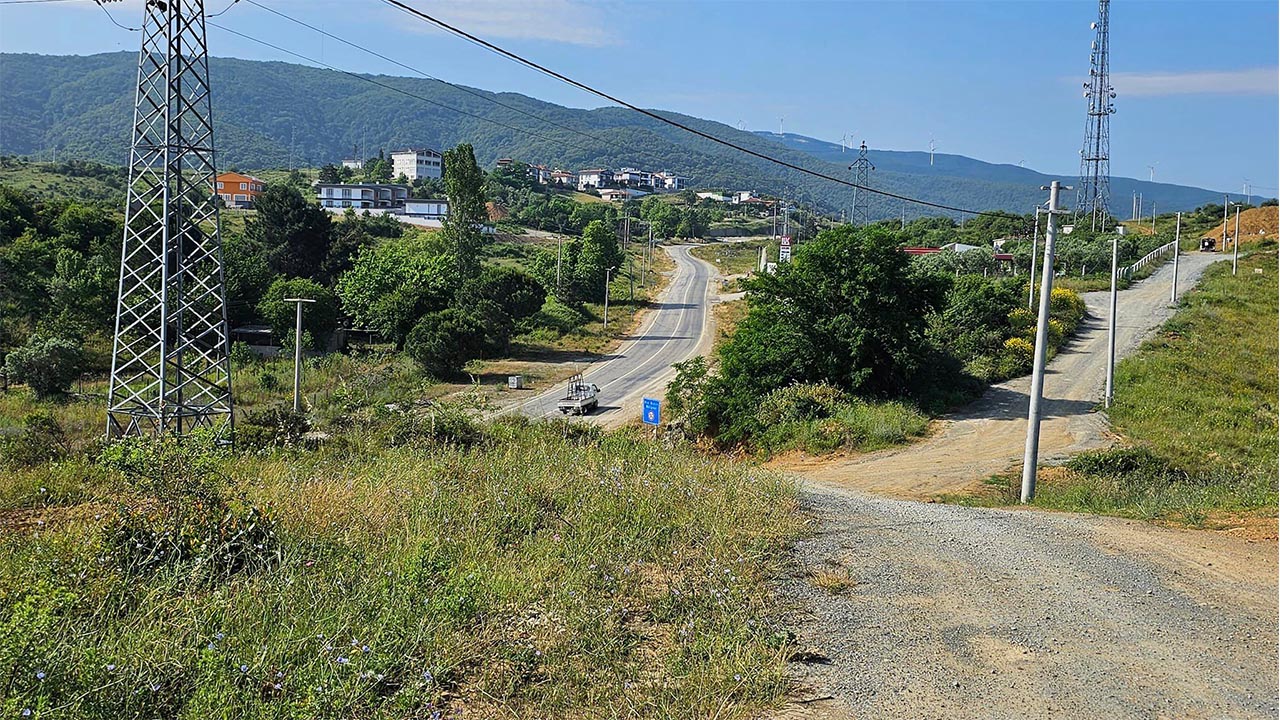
(362, 196)
(415, 164)
(238, 191)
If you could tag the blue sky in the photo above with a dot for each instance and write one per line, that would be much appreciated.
(999, 81)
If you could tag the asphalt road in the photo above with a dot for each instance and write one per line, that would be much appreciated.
(672, 332)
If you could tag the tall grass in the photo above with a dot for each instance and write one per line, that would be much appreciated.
(525, 570)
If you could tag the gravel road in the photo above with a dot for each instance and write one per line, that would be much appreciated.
(922, 610)
(962, 612)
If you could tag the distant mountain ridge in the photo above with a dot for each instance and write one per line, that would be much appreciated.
(275, 114)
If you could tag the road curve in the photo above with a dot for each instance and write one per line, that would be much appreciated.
(673, 332)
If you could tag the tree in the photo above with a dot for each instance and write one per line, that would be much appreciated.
(392, 284)
(443, 342)
(463, 227)
(351, 234)
(847, 311)
(293, 231)
(81, 290)
(46, 363)
(597, 252)
(318, 318)
(518, 294)
(246, 275)
(330, 174)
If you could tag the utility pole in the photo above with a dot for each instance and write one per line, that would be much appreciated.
(1111, 324)
(606, 296)
(861, 169)
(1226, 206)
(170, 359)
(1153, 217)
(1095, 156)
(1031, 279)
(1177, 250)
(1235, 243)
(1029, 458)
(559, 257)
(297, 354)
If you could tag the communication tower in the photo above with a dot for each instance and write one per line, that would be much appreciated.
(1095, 157)
(861, 170)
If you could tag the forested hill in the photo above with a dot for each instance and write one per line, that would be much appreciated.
(272, 114)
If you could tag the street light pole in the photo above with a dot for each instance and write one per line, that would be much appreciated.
(1029, 458)
(1226, 206)
(297, 354)
(606, 296)
(1235, 251)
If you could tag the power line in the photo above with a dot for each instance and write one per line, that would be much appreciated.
(32, 2)
(113, 20)
(648, 113)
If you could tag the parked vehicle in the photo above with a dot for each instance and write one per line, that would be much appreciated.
(579, 398)
(1208, 244)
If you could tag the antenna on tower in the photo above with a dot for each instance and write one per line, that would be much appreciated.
(1095, 157)
(170, 361)
(861, 168)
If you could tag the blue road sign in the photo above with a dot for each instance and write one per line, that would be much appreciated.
(652, 413)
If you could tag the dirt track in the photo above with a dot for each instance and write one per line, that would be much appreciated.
(941, 611)
(988, 436)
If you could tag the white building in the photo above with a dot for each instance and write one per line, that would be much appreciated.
(429, 209)
(743, 196)
(361, 195)
(668, 181)
(594, 178)
(353, 164)
(718, 197)
(415, 164)
(620, 194)
(633, 178)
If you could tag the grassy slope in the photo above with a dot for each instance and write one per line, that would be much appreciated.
(625, 579)
(1198, 403)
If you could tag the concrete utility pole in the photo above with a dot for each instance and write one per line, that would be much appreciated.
(559, 257)
(1226, 206)
(1177, 250)
(1029, 458)
(297, 354)
(1235, 243)
(606, 296)
(1111, 324)
(1031, 279)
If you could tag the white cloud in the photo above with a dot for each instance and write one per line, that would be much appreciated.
(1254, 81)
(566, 21)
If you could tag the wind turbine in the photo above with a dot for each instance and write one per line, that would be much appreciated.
(1152, 169)
(780, 125)
(932, 146)
(1248, 194)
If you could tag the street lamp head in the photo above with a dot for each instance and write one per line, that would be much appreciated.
(299, 300)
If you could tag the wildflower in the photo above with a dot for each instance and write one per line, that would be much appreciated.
(111, 667)
(26, 712)
(244, 668)
(276, 686)
(364, 648)
(155, 687)
(40, 675)
(426, 676)
(737, 677)
(219, 636)
(343, 660)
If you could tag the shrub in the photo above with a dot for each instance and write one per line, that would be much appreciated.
(180, 512)
(42, 439)
(1068, 307)
(48, 364)
(273, 426)
(442, 342)
(800, 401)
(438, 423)
(1022, 320)
(1016, 358)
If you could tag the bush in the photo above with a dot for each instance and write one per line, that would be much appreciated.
(273, 426)
(179, 511)
(48, 364)
(1016, 358)
(42, 440)
(801, 401)
(1068, 307)
(438, 423)
(443, 342)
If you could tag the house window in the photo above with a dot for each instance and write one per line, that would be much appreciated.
(346, 193)
(219, 184)
(244, 186)
(241, 198)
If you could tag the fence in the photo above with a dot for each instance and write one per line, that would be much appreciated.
(1166, 249)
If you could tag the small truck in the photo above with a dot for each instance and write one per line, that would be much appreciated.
(579, 398)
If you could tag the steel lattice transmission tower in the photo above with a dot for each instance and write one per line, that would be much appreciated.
(170, 365)
(861, 170)
(1095, 157)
